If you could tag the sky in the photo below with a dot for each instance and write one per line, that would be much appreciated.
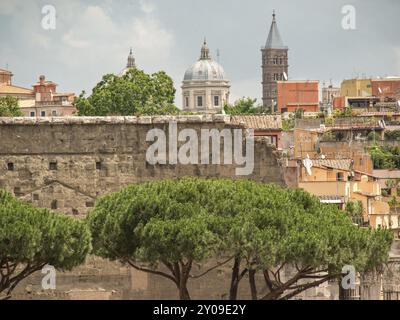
(93, 38)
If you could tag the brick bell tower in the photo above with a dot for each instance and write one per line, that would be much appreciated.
(275, 65)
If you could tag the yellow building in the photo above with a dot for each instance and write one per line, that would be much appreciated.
(356, 88)
(336, 182)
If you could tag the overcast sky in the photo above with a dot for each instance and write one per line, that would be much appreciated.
(93, 38)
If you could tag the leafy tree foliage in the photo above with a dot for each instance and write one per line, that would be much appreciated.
(262, 228)
(9, 107)
(244, 106)
(133, 93)
(31, 238)
(385, 157)
(355, 210)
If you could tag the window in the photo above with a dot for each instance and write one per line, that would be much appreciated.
(53, 166)
(89, 204)
(32, 113)
(54, 205)
(54, 113)
(216, 101)
(17, 191)
(199, 101)
(187, 102)
(35, 196)
(339, 176)
(10, 166)
(75, 212)
(98, 165)
(43, 113)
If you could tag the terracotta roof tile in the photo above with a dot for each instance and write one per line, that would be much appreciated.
(258, 122)
(344, 164)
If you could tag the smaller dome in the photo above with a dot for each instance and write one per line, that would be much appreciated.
(205, 69)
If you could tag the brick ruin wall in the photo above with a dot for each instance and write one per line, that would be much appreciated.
(65, 164)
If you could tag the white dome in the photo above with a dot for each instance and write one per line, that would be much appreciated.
(205, 70)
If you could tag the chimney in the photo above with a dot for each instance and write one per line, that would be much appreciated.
(42, 79)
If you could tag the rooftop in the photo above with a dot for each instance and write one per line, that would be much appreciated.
(386, 174)
(258, 122)
(6, 89)
(5, 71)
(331, 199)
(343, 164)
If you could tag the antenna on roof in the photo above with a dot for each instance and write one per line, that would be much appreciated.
(218, 55)
(7, 66)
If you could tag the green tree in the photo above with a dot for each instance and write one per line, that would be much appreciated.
(153, 224)
(244, 106)
(152, 109)
(31, 238)
(290, 228)
(128, 95)
(262, 228)
(355, 210)
(9, 107)
(385, 157)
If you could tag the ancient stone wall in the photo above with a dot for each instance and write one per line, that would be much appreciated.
(65, 164)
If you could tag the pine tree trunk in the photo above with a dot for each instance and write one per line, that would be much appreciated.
(252, 281)
(235, 279)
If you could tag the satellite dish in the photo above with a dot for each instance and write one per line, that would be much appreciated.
(308, 164)
(398, 103)
(285, 76)
(380, 90)
(323, 157)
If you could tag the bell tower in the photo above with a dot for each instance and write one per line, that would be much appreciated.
(275, 65)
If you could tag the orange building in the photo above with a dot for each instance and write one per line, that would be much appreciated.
(388, 89)
(298, 94)
(339, 103)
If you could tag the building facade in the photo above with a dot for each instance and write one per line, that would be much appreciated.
(387, 89)
(357, 87)
(275, 66)
(47, 102)
(297, 94)
(8, 89)
(329, 93)
(205, 87)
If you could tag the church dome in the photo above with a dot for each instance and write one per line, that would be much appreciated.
(205, 69)
(131, 64)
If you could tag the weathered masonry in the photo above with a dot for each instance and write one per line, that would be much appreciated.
(65, 164)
